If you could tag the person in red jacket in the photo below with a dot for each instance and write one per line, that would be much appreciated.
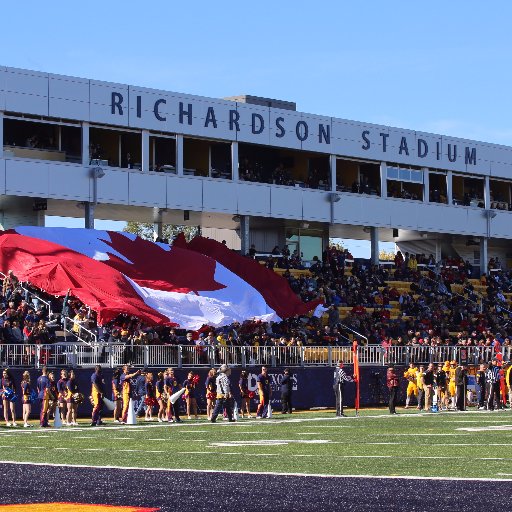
(392, 383)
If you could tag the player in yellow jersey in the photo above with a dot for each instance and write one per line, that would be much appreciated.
(452, 390)
(420, 384)
(412, 388)
(508, 382)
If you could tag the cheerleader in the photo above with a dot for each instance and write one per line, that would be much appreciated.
(43, 388)
(61, 397)
(26, 391)
(211, 392)
(72, 404)
(171, 386)
(190, 395)
(160, 397)
(126, 386)
(53, 396)
(117, 396)
(149, 397)
(243, 384)
(8, 385)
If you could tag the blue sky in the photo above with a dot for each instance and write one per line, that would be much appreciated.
(435, 66)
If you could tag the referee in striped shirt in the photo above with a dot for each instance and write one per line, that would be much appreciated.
(492, 377)
(340, 377)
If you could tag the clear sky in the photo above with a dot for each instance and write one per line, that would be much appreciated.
(439, 66)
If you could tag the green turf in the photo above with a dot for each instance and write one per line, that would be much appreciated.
(373, 444)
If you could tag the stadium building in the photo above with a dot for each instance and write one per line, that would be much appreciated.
(246, 169)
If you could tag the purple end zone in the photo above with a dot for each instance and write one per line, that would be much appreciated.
(188, 491)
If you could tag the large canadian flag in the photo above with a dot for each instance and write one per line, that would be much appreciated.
(189, 285)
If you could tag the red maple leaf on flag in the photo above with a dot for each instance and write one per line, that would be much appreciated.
(178, 270)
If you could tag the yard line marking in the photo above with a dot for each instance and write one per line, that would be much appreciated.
(119, 438)
(489, 428)
(62, 448)
(436, 444)
(264, 473)
(92, 449)
(158, 439)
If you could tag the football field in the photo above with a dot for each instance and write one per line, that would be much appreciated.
(412, 461)
(411, 444)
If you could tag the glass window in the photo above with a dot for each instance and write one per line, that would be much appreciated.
(405, 174)
(392, 173)
(417, 176)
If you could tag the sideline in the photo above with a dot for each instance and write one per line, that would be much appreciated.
(263, 473)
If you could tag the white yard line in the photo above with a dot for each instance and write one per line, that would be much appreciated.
(264, 473)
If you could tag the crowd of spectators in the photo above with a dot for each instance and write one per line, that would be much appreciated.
(279, 175)
(412, 301)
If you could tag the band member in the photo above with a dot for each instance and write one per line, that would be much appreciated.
(117, 396)
(161, 397)
(149, 396)
(264, 390)
(126, 387)
(441, 383)
(97, 394)
(340, 377)
(43, 387)
(224, 396)
(243, 384)
(452, 388)
(480, 386)
(171, 386)
(26, 392)
(392, 383)
(286, 392)
(8, 405)
(412, 388)
(61, 395)
(72, 405)
(211, 392)
(53, 396)
(190, 395)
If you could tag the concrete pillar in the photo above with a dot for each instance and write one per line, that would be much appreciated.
(383, 180)
(244, 234)
(487, 193)
(449, 187)
(426, 185)
(179, 155)
(234, 161)
(145, 151)
(19, 211)
(89, 215)
(332, 165)
(86, 157)
(374, 240)
(438, 254)
(483, 255)
(158, 226)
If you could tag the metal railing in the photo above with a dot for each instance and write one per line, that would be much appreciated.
(81, 333)
(111, 355)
